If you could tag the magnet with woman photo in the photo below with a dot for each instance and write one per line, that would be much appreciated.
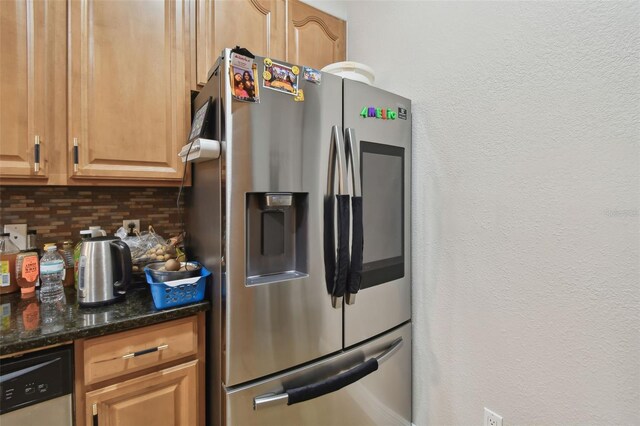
(244, 87)
(280, 77)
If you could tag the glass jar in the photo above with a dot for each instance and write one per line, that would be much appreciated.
(67, 255)
(8, 253)
(27, 271)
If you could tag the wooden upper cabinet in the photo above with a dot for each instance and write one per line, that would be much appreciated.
(26, 82)
(129, 88)
(258, 25)
(316, 39)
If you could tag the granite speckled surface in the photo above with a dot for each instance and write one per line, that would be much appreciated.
(26, 324)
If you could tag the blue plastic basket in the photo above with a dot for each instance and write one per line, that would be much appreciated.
(165, 296)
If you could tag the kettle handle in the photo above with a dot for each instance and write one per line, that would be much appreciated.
(121, 286)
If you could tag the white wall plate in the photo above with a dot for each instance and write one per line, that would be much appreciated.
(18, 234)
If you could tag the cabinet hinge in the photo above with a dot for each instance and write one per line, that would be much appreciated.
(75, 155)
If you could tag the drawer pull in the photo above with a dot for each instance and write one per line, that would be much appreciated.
(94, 410)
(145, 351)
(36, 155)
(75, 155)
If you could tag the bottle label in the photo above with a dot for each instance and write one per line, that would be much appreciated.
(5, 276)
(30, 268)
(53, 267)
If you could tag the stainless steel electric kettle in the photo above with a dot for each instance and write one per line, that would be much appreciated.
(104, 271)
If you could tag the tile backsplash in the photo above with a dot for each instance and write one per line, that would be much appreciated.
(60, 212)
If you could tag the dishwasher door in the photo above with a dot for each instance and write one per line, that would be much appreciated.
(55, 412)
(35, 389)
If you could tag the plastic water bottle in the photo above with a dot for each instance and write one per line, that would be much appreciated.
(52, 315)
(51, 274)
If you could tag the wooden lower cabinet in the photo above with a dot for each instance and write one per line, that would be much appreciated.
(151, 375)
(108, 357)
(166, 397)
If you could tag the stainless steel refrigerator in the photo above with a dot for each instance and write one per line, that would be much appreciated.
(304, 221)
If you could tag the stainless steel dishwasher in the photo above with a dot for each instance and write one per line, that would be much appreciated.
(36, 389)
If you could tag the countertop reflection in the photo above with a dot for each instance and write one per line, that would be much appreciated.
(25, 323)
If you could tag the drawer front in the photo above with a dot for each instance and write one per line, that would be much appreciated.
(111, 356)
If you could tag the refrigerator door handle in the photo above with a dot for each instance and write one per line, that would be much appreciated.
(336, 270)
(353, 160)
(332, 384)
(338, 143)
(357, 239)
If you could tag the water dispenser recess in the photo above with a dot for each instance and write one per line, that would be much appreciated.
(272, 233)
(276, 236)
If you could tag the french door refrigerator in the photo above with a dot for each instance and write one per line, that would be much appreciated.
(304, 221)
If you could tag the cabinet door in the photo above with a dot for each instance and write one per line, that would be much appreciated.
(166, 397)
(129, 108)
(258, 25)
(23, 38)
(316, 39)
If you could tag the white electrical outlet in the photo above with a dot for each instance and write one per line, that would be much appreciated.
(126, 222)
(18, 234)
(491, 418)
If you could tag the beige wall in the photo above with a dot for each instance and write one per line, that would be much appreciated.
(525, 203)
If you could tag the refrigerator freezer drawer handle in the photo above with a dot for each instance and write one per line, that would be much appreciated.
(332, 384)
(393, 348)
(270, 400)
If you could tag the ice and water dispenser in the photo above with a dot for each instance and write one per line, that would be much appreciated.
(276, 236)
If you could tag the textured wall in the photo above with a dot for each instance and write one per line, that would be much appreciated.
(59, 213)
(332, 7)
(525, 201)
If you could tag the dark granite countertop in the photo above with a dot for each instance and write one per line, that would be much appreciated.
(27, 324)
